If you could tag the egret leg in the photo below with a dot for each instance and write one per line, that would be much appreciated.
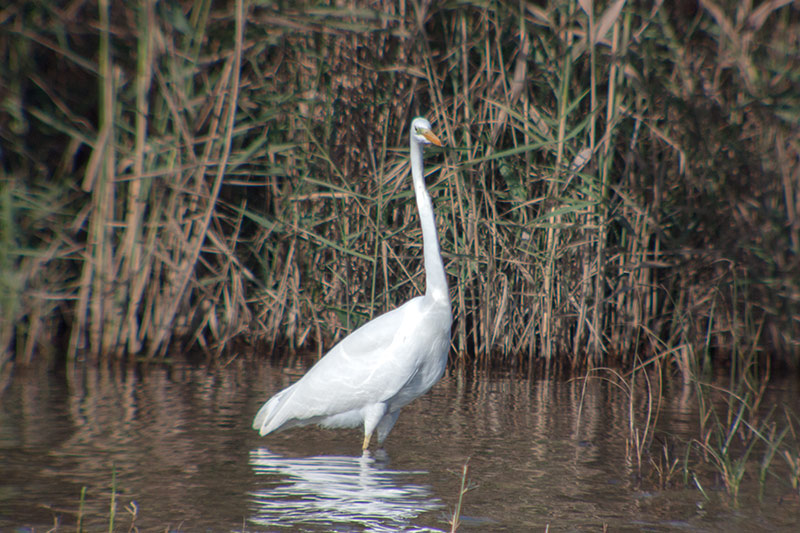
(386, 424)
(372, 416)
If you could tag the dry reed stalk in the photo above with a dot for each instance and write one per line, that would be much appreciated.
(131, 245)
(553, 238)
(95, 306)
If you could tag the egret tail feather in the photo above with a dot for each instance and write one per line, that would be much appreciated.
(266, 414)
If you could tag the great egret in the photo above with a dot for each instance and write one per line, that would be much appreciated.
(386, 363)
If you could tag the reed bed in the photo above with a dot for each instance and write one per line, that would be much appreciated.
(620, 179)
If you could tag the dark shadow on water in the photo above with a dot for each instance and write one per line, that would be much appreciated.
(338, 493)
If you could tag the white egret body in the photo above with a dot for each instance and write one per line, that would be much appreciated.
(386, 363)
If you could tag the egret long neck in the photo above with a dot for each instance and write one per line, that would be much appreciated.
(435, 280)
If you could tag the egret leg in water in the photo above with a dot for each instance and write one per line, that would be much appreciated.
(386, 363)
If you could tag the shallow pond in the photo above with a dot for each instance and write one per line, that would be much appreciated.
(175, 445)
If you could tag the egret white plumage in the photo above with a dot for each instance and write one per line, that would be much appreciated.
(386, 363)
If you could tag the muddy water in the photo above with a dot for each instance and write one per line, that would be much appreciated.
(176, 446)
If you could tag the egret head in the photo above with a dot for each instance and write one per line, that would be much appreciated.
(421, 132)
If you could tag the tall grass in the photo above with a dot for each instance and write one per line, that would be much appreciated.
(620, 179)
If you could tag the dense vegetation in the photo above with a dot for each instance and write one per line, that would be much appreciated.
(622, 180)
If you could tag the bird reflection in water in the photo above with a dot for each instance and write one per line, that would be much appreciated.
(329, 492)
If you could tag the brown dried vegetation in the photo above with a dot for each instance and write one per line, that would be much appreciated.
(621, 179)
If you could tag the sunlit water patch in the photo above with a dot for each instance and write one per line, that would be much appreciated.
(331, 492)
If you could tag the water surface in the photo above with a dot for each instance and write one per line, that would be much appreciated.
(176, 445)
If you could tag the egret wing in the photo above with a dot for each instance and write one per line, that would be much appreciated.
(362, 369)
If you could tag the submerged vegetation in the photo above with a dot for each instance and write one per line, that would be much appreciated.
(620, 189)
(738, 437)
